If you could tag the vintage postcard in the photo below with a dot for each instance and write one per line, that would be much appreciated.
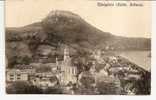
(78, 47)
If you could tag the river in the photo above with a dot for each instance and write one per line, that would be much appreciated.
(141, 58)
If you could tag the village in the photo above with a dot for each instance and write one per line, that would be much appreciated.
(65, 75)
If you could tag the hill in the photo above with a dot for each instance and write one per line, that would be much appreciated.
(67, 28)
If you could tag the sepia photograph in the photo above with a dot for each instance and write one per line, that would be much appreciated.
(80, 47)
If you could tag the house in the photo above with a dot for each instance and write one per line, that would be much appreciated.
(25, 68)
(44, 80)
(13, 75)
(19, 73)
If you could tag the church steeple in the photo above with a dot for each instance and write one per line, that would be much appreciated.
(57, 63)
(66, 55)
(68, 71)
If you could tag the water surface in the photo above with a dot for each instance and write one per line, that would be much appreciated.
(141, 58)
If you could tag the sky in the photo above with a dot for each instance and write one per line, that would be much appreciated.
(122, 21)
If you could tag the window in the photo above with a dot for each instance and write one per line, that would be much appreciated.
(11, 78)
(18, 75)
(11, 75)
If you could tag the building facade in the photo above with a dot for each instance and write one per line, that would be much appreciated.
(16, 75)
(68, 71)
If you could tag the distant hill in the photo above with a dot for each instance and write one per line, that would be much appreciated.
(73, 28)
(63, 27)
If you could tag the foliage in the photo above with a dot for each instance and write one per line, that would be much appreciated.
(22, 88)
(108, 88)
(87, 80)
(53, 90)
(43, 69)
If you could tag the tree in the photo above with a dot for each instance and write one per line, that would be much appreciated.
(87, 79)
(87, 85)
(22, 88)
(53, 90)
(108, 85)
(26, 60)
(43, 69)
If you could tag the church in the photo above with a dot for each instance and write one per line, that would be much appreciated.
(68, 72)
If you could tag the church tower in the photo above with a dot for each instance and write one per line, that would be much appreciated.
(68, 71)
(67, 60)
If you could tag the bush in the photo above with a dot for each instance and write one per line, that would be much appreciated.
(22, 88)
(109, 86)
